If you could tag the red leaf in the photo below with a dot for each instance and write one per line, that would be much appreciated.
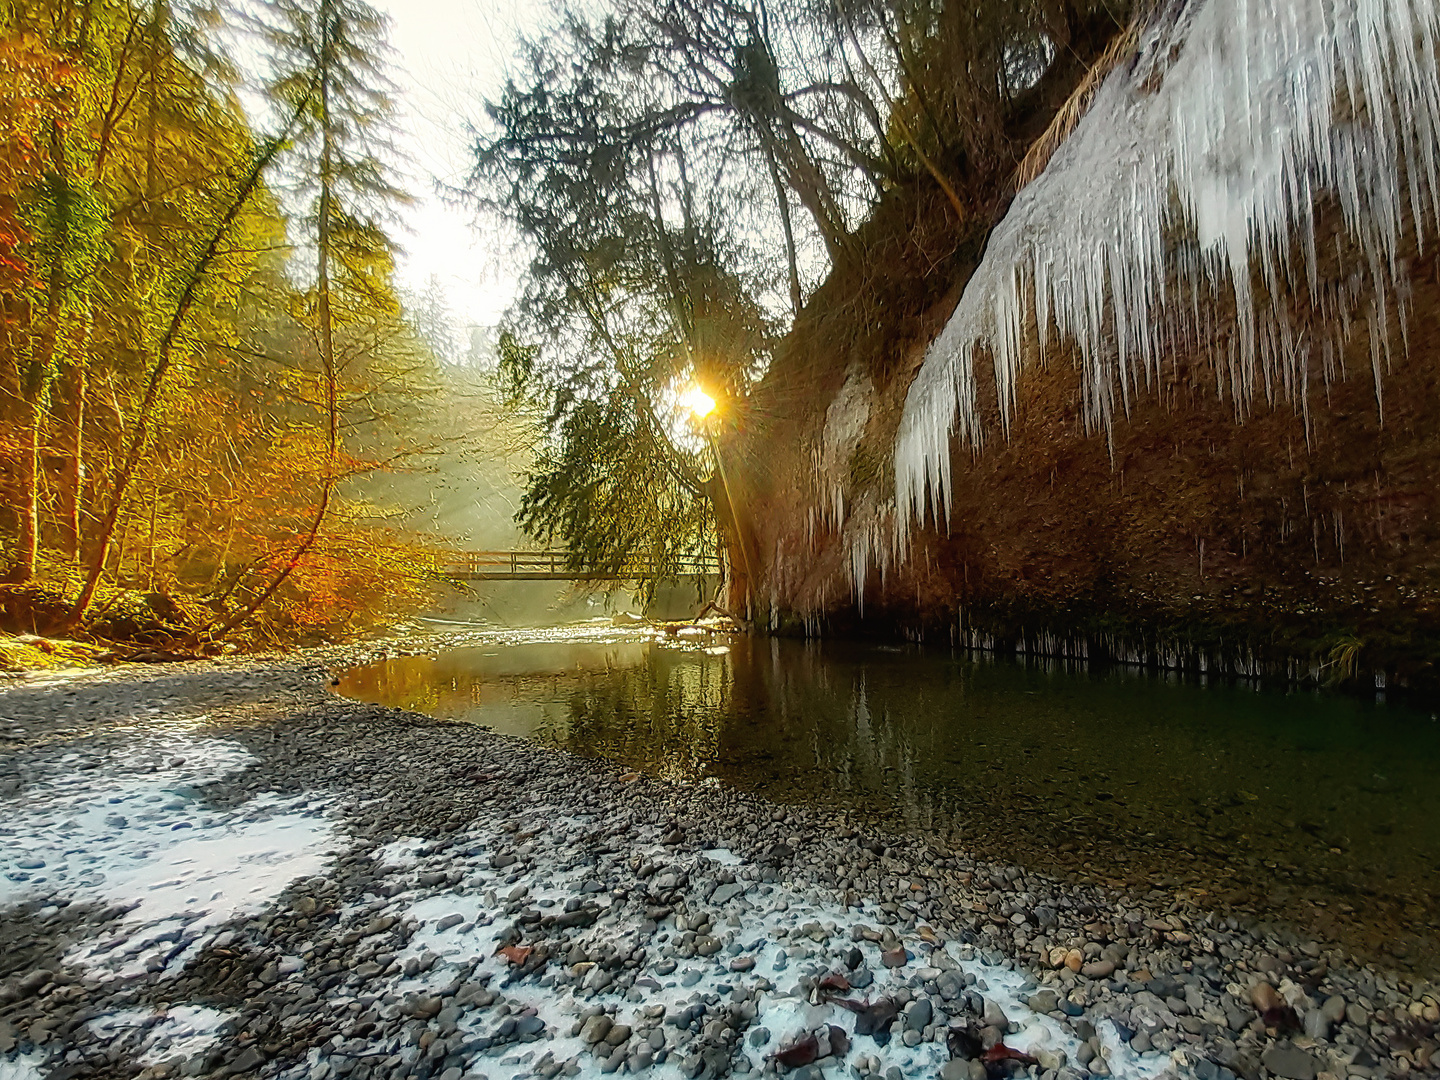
(1001, 1052)
(802, 1053)
(516, 954)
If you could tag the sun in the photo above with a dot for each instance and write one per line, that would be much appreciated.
(698, 402)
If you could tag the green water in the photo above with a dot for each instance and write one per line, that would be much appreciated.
(1310, 808)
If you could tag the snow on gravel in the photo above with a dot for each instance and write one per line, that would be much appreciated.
(133, 833)
(153, 1037)
(771, 936)
(26, 1067)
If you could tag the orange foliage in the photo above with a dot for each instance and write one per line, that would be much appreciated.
(35, 83)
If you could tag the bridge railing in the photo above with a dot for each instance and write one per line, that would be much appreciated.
(541, 565)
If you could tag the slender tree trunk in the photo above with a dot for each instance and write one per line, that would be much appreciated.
(73, 480)
(157, 27)
(154, 517)
(28, 542)
(35, 385)
(782, 200)
(810, 186)
(122, 547)
(224, 556)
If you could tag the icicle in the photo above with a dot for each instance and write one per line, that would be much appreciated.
(1234, 118)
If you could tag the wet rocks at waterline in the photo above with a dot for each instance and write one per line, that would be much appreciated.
(368, 894)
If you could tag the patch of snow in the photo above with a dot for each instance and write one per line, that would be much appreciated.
(1195, 177)
(22, 1067)
(132, 833)
(1123, 1060)
(151, 1038)
(723, 856)
(401, 853)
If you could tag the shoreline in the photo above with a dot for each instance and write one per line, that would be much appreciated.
(447, 804)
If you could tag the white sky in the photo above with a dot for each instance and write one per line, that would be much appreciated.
(450, 55)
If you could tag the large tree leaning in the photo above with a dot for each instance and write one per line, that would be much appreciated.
(139, 435)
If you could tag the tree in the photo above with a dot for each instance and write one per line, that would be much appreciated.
(63, 226)
(160, 369)
(647, 158)
(327, 62)
(629, 302)
(433, 320)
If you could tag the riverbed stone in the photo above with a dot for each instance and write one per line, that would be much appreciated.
(994, 1016)
(596, 1028)
(918, 1014)
(1044, 1002)
(1289, 1061)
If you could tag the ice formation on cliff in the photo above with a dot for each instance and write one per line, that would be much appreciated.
(1195, 179)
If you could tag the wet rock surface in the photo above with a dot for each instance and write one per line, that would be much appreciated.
(391, 896)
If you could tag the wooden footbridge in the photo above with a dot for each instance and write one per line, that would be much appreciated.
(556, 566)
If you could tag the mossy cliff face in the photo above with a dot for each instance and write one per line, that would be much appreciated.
(1200, 539)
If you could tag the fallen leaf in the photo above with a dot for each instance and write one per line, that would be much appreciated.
(872, 1019)
(835, 983)
(803, 1052)
(839, 1041)
(516, 954)
(1282, 1019)
(1001, 1052)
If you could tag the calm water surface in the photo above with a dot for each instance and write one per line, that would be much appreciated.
(1315, 809)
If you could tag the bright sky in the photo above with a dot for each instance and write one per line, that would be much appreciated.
(451, 54)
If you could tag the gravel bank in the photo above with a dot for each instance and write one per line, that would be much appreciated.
(222, 870)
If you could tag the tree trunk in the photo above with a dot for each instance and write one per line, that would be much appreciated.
(27, 545)
(72, 489)
(140, 435)
(782, 200)
(224, 555)
(34, 387)
(809, 185)
(122, 547)
(154, 516)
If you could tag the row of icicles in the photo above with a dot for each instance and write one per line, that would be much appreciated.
(1232, 122)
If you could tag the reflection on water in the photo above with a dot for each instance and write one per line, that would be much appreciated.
(1325, 810)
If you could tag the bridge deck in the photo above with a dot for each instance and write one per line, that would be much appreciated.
(554, 566)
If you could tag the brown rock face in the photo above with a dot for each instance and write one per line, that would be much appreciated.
(1202, 534)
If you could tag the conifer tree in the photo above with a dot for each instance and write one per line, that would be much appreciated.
(338, 158)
